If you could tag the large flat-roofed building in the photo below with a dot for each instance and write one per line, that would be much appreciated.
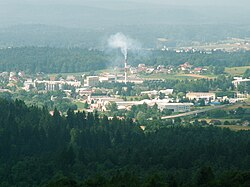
(176, 107)
(108, 78)
(56, 85)
(200, 95)
(162, 104)
(155, 92)
(239, 80)
(92, 80)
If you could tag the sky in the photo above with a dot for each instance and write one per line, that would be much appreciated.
(93, 13)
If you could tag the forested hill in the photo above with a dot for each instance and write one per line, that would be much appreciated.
(64, 60)
(51, 60)
(38, 149)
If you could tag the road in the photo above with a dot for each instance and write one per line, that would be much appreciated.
(192, 112)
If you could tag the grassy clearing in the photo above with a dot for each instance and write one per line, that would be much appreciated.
(80, 105)
(234, 127)
(178, 76)
(237, 71)
(233, 107)
(221, 119)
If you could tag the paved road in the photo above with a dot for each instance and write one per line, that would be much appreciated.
(192, 112)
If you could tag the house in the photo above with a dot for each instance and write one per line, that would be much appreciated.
(185, 66)
(21, 74)
(245, 124)
(141, 67)
(28, 84)
(150, 70)
(198, 70)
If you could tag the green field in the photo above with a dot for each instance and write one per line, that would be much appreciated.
(222, 120)
(178, 76)
(80, 105)
(237, 71)
(234, 127)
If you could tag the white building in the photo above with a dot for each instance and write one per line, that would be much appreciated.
(29, 83)
(57, 85)
(201, 95)
(162, 104)
(92, 80)
(108, 78)
(155, 92)
(238, 80)
(176, 107)
(167, 91)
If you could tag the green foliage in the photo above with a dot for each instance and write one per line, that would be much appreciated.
(244, 87)
(43, 99)
(247, 74)
(202, 85)
(64, 60)
(112, 107)
(38, 149)
(51, 60)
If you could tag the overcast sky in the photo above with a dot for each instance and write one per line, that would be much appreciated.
(242, 3)
(108, 12)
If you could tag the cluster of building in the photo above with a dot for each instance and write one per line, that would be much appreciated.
(228, 45)
(85, 86)
(101, 102)
(187, 67)
(142, 68)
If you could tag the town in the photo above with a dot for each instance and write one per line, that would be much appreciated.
(136, 93)
(110, 93)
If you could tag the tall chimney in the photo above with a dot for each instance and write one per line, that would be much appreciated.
(125, 70)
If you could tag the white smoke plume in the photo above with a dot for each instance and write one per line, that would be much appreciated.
(122, 42)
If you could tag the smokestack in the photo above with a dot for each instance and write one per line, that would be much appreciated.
(125, 69)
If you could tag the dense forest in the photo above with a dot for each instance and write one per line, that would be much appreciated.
(70, 60)
(79, 149)
(51, 60)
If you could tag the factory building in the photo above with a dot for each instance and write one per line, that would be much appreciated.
(176, 107)
(201, 95)
(162, 104)
(92, 80)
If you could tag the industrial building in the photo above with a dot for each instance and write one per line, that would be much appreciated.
(92, 80)
(239, 80)
(162, 104)
(176, 107)
(201, 95)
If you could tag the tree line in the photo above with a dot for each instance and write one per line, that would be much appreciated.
(71, 60)
(85, 149)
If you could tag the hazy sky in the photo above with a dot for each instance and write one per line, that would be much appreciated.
(107, 12)
(242, 3)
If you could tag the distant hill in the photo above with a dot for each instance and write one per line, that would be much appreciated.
(58, 36)
(109, 13)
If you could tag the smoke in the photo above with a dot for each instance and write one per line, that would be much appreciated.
(122, 42)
